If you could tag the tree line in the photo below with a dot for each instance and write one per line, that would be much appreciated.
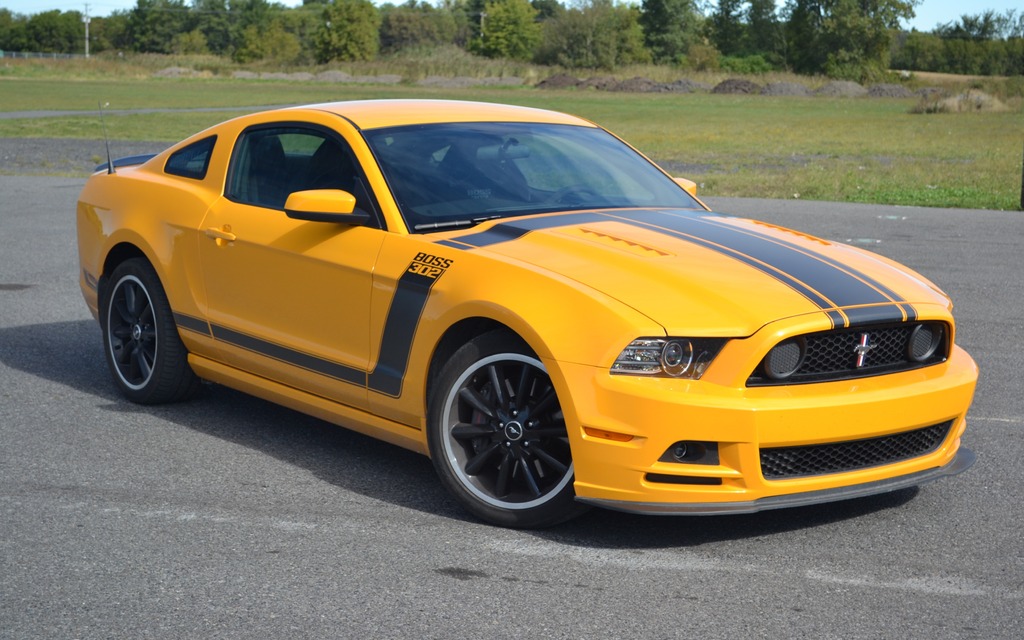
(848, 39)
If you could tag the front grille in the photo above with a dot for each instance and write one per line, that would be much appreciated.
(836, 355)
(813, 460)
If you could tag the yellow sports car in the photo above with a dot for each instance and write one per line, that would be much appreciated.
(529, 301)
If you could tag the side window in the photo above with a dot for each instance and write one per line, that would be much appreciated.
(192, 161)
(270, 163)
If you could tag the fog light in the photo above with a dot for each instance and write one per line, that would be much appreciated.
(785, 359)
(923, 342)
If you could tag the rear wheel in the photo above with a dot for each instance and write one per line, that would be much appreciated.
(497, 435)
(145, 354)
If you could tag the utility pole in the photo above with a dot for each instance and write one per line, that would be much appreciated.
(86, 19)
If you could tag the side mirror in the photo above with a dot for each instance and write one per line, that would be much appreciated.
(325, 205)
(688, 185)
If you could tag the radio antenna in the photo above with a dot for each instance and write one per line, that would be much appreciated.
(106, 139)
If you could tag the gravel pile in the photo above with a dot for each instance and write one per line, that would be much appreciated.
(842, 89)
(889, 91)
(737, 86)
(785, 89)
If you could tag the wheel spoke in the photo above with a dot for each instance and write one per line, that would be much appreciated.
(552, 430)
(497, 383)
(523, 387)
(550, 460)
(473, 398)
(121, 307)
(131, 300)
(531, 482)
(544, 403)
(501, 485)
(464, 431)
(476, 464)
(145, 362)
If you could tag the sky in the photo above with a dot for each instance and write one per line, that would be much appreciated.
(929, 13)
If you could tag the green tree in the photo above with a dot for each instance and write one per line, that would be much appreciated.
(189, 43)
(55, 32)
(728, 32)
(594, 35)
(214, 22)
(670, 27)
(351, 31)
(153, 25)
(12, 31)
(414, 25)
(510, 30)
(847, 39)
(764, 32)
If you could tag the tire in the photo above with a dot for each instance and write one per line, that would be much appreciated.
(497, 435)
(145, 354)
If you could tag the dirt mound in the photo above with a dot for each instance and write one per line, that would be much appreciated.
(842, 89)
(600, 83)
(785, 89)
(971, 101)
(737, 86)
(558, 81)
(638, 85)
(889, 91)
(687, 86)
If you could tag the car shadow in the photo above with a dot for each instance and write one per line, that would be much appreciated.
(69, 353)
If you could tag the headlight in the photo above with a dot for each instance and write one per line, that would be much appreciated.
(667, 357)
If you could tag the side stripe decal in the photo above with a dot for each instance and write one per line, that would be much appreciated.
(399, 329)
(306, 361)
(407, 305)
(193, 324)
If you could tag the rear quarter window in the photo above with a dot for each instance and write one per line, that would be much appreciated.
(191, 161)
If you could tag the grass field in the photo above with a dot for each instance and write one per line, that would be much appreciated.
(861, 150)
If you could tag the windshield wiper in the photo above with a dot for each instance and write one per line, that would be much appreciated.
(448, 224)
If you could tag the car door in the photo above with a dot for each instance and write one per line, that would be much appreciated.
(288, 300)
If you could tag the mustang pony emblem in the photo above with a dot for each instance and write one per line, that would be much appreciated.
(863, 348)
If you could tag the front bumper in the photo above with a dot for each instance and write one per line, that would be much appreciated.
(623, 426)
(963, 461)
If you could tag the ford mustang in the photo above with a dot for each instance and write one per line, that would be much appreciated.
(523, 297)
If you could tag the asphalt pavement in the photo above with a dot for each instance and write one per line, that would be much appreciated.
(229, 517)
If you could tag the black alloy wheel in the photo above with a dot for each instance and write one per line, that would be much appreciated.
(145, 354)
(498, 438)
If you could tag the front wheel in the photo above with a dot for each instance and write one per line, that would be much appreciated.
(497, 435)
(145, 354)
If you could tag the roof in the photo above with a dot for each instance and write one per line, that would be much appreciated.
(373, 114)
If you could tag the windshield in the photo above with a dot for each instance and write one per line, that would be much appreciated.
(451, 175)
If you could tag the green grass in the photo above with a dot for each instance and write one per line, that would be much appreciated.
(857, 150)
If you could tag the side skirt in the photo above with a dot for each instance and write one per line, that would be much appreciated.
(339, 414)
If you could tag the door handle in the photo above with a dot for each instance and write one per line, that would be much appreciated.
(220, 234)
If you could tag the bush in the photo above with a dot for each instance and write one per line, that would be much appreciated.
(755, 64)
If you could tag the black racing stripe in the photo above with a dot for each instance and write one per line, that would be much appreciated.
(335, 370)
(191, 323)
(515, 229)
(876, 314)
(399, 329)
(837, 284)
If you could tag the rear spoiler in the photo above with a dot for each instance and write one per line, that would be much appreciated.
(127, 161)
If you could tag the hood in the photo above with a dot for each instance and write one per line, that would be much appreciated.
(703, 274)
